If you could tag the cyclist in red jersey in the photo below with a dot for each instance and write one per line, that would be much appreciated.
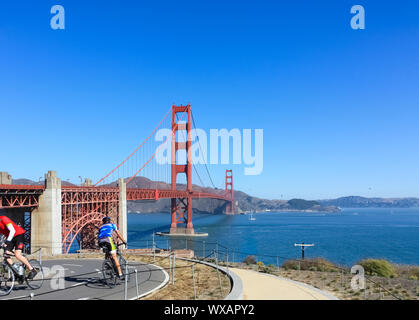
(14, 240)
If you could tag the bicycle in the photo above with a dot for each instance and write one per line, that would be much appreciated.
(17, 272)
(109, 270)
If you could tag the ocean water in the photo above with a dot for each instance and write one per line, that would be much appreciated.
(343, 238)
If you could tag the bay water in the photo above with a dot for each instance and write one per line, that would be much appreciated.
(343, 238)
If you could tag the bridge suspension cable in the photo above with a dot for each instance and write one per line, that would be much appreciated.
(193, 165)
(153, 155)
(135, 151)
(201, 153)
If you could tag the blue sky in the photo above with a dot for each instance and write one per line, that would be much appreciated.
(339, 107)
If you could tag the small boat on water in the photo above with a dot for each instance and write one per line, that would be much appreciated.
(251, 218)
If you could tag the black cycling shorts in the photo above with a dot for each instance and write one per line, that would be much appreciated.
(18, 242)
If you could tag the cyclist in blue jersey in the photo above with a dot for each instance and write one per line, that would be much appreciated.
(105, 240)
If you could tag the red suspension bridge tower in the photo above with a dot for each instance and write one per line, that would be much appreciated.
(181, 206)
(229, 192)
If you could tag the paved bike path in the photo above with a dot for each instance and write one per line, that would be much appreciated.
(83, 280)
(262, 286)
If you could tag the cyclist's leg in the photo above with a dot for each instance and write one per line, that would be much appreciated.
(117, 265)
(8, 251)
(19, 243)
(21, 258)
(114, 257)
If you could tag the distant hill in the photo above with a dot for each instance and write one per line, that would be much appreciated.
(27, 182)
(361, 202)
(243, 201)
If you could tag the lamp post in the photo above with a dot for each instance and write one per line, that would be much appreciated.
(303, 246)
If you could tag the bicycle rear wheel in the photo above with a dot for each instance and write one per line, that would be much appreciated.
(7, 279)
(109, 276)
(38, 280)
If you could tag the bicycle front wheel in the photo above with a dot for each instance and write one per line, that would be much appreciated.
(38, 280)
(7, 279)
(109, 276)
(124, 267)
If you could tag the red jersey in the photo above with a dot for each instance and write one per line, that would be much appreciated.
(4, 222)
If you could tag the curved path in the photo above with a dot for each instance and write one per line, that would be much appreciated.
(82, 280)
(261, 286)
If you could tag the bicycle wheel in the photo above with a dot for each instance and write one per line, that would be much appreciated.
(7, 279)
(38, 280)
(123, 263)
(109, 276)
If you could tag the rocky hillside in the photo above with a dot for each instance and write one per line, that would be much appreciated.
(361, 202)
(28, 182)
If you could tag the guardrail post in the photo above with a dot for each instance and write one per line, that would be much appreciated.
(154, 250)
(126, 282)
(170, 266)
(203, 249)
(173, 266)
(227, 263)
(136, 283)
(218, 273)
(193, 279)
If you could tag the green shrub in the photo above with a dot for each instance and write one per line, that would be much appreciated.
(250, 260)
(414, 273)
(378, 267)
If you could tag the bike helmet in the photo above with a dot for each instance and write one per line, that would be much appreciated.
(106, 220)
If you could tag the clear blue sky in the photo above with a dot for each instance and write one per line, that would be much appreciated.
(339, 107)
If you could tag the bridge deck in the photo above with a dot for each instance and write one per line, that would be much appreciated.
(27, 196)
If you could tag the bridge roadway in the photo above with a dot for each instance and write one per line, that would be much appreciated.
(83, 281)
(26, 196)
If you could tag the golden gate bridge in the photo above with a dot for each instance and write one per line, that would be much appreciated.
(66, 213)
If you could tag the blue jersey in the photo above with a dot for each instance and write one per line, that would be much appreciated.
(106, 230)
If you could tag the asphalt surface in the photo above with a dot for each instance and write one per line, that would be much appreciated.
(82, 279)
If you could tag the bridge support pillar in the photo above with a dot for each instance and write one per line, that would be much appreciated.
(5, 178)
(122, 208)
(87, 183)
(46, 221)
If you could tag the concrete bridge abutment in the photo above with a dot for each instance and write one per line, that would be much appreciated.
(5, 178)
(46, 220)
(122, 208)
